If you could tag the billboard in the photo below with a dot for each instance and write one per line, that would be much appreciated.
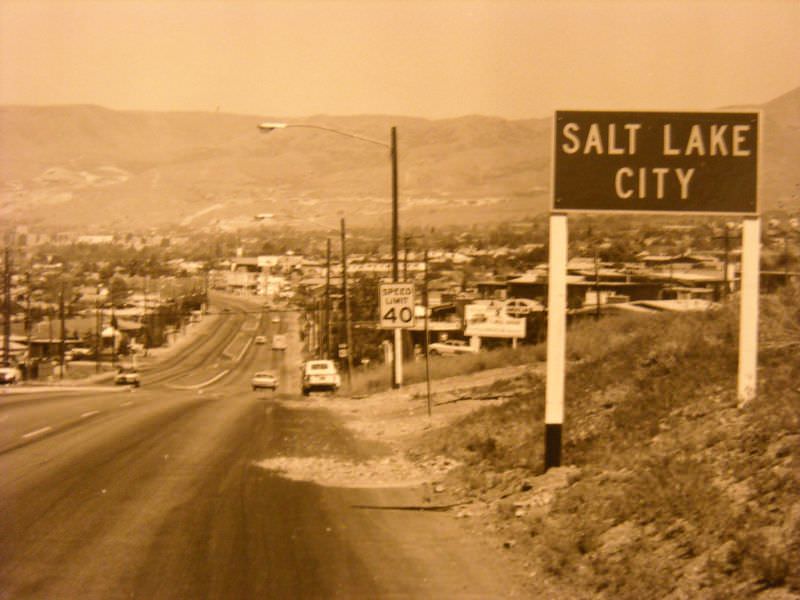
(491, 319)
(686, 162)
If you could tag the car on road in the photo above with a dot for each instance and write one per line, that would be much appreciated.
(276, 319)
(279, 342)
(320, 375)
(9, 375)
(261, 339)
(127, 376)
(451, 348)
(264, 380)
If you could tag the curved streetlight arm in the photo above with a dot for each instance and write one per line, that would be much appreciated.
(267, 127)
(392, 147)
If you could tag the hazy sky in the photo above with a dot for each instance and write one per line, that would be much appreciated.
(419, 58)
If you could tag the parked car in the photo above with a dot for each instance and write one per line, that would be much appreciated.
(451, 348)
(9, 375)
(279, 342)
(261, 339)
(78, 353)
(127, 376)
(276, 318)
(264, 380)
(320, 375)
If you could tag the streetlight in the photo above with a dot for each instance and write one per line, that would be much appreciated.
(267, 127)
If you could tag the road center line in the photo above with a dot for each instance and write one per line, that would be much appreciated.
(89, 414)
(31, 434)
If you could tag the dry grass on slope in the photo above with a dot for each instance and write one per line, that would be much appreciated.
(678, 492)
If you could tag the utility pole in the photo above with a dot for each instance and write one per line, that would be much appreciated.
(427, 332)
(114, 335)
(726, 260)
(98, 325)
(405, 257)
(397, 379)
(50, 333)
(318, 327)
(328, 332)
(63, 331)
(28, 325)
(7, 308)
(348, 331)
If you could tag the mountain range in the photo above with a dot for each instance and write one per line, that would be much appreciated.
(91, 168)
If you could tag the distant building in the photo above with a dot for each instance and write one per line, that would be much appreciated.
(95, 240)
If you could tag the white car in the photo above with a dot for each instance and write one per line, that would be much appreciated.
(127, 376)
(451, 348)
(260, 339)
(279, 342)
(276, 319)
(9, 375)
(320, 375)
(264, 380)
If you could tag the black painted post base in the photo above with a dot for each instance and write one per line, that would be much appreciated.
(552, 445)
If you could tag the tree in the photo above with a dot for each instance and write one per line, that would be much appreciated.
(118, 290)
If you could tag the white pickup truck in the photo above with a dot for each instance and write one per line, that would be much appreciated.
(320, 375)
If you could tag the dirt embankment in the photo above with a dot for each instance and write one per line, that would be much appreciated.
(673, 489)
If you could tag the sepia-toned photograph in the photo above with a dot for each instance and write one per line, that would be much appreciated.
(400, 299)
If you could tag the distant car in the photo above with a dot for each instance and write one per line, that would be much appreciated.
(78, 353)
(276, 319)
(9, 375)
(264, 380)
(127, 376)
(279, 342)
(320, 375)
(451, 348)
(260, 339)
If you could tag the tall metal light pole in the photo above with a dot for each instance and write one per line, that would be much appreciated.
(397, 372)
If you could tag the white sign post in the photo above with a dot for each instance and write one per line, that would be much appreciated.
(397, 312)
(556, 340)
(748, 310)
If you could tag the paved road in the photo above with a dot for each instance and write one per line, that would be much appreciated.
(154, 493)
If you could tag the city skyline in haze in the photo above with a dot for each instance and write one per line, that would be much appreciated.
(439, 59)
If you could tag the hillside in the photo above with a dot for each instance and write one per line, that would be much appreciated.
(84, 166)
(671, 490)
(66, 165)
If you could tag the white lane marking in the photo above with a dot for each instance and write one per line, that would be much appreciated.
(200, 385)
(89, 414)
(31, 434)
(128, 403)
(246, 346)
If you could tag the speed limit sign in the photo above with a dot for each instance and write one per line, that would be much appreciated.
(397, 305)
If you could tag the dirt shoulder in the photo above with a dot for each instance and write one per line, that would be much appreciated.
(394, 424)
(674, 489)
(396, 419)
